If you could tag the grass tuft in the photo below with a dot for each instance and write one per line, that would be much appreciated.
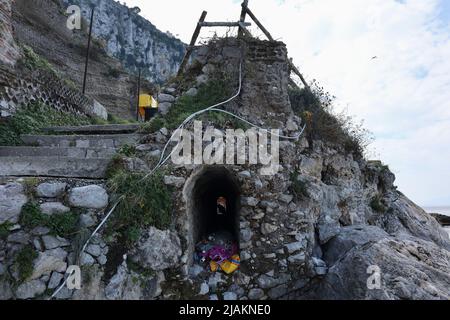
(32, 118)
(24, 262)
(64, 225)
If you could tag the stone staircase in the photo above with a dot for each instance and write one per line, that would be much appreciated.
(67, 152)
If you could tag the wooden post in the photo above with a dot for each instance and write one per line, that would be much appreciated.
(295, 70)
(193, 41)
(244, 28)
(259, 24)
(138, 94)
(242, 18)
(87, 51)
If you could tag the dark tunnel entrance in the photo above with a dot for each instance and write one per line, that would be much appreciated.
(215, 183)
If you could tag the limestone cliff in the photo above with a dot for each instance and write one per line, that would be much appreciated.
(41, 25)
(135, 41)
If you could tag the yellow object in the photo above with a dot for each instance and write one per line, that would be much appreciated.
(230, 266)
(146, 101)
(214, 266)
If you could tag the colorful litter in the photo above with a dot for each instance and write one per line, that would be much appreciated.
(219, 252)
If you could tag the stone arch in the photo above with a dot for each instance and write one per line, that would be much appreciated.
(201, 193)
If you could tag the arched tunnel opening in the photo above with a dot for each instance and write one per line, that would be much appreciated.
(216, 197)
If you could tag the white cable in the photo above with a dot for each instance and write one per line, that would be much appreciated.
(260, 128)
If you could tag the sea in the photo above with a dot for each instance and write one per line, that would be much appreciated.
(441, 210)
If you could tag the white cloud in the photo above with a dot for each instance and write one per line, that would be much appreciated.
(403, 95)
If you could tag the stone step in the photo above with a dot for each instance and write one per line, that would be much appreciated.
(62, 167)
(94, 129)
(81, 141)
(87, 153)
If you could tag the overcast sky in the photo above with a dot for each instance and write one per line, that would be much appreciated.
(403, 95)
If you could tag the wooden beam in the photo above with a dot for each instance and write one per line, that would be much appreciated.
(225, 24)
(295, 70)
(259, 24)
(242, 25)
(192, 43)
(242, 18)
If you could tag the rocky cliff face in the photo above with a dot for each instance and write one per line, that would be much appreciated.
(9, 52)
(133, 40)
(41, 25)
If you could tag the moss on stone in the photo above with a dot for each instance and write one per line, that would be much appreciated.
(63, 225)
(24, 262)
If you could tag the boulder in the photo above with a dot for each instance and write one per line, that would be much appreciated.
(91, 197)
(162, 97)
(192, 92)
(12, 199)
(55, 280)
(30, 289)
(19, 237)
(158, 250)
(5, 290)
(51, 242)
(49, 261)
(51, 190)
(164, 107)
(255, 294)
(173, 181)
(51, 208)
(250, 201)
(407, 267)
(122, 287)
(230, 296)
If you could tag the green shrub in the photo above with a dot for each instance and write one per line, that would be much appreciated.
(315, 107)
(208, 94)
(128, 150)
(33, 61)
(63, 225)
(145, 202)
(112, 119)
(4, 230)
(24, 262)
(298, 188)
(32, 216)
(32, 118)
(116, 165)
(377, 204)
(113, 73)
(99, 121)
(153, 125)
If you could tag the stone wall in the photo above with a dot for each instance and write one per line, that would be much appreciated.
(18, 90)
(53, 252)
(9, 52)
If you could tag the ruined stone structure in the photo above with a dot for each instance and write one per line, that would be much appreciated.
(311, 230)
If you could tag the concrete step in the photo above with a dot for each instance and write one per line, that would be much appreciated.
(63, 167)
(81, 141)
(95, 129)
(87, 153)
